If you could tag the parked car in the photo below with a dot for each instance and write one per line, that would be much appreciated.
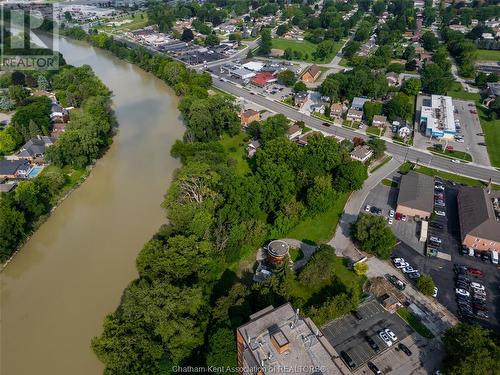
(477, 286)
(391, 213)
(408, 269)
(372, 344)
(356, 314)
(391, 334)
(462, 292)
(404, 349)
(482, 314)
(385, 338)
(435, 294)
(480, 307)
(462, 285)
(435, 239)
(460, 268)
(396, 282)
(402, 265)
(390, 221)
(436, 225)
(439, 203)
(440, 213)
(404, 218)
(347, 359)
(367, 208)
(398, 216)
(374, 368)
(414, 275)
(475, 272)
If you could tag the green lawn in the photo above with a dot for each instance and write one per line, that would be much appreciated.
(305, 47)
(139, 21)
(320, 228)
(451, 154)
(457, 92)
(444, 175)
(389, 183)
(488, 55)
(71, 178)
(375, 131)
(414, 323)
(236, 148)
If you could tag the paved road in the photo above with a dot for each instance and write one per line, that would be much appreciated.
(399, 152)
(341, 241)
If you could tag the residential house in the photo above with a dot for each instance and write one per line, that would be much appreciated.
(416, 195)
(358, 103)
(249, 116)
(362, 153)
(293, 131)
(35, 148)
(11, 169)
(58, 113)
(392, 78)
(252, 147)
(7, 186)
(379, 121)
(354, 115)
(311, 74)
(304, 138)
(478, 218)
(300, 98)
(337, 110)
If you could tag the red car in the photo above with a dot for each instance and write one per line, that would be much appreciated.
(398, 216)
(475, 272)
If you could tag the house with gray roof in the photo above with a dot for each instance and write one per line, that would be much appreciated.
(358, 103)
(416, 195)
(479, 224)
(35, 148)
(12, 169)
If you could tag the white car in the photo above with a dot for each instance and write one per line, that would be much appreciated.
(440, 213)
(404, 218)
(456, 161)
(402, 265)
(390, 221)
(435, 294)
(367, 208)
(460, 140)
(408, 269)
(462, 292)
(391, 213)
(385, 338)
(398, 260)
(435, 239)
(391, 334)
(477, 286)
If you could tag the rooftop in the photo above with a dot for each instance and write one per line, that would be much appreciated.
(359, 102)
(416, 190)
(439, 115)
(277, 339)
(476, 214)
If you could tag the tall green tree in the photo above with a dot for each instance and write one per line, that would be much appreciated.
(265, 42)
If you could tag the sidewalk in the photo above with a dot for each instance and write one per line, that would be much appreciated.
(341, 241)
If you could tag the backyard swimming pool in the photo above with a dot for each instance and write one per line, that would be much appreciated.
(35, 171)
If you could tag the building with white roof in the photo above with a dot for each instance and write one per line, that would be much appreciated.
(254, 66)
(438, 117)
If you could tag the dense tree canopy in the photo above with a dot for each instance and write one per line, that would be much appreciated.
(373, 235)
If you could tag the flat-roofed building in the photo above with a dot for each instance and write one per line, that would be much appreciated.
(278, 340)
(438, 117)
(416, 195)
(477, 215)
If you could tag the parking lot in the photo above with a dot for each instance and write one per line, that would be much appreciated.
(385, 198)
(442, 270)
(348, 333)
(470, 128)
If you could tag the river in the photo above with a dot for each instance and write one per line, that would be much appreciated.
(71, 273)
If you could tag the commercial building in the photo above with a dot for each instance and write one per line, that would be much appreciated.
(416, 195)
(278, 341)
(437, 117)
(478, 214)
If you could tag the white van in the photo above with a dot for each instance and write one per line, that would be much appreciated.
(494, 257)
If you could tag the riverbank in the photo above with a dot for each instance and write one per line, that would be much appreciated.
(72, 271)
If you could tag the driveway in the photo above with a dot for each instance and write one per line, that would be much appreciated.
(341, 241)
